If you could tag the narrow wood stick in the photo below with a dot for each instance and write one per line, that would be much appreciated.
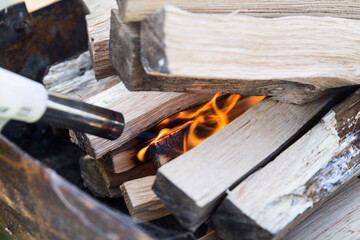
(125, 57)
(198, 179)
(298, 181)
(105, 184)
(319, 51)
(141, 201)
(137, 10)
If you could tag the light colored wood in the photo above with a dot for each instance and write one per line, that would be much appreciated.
(319, 51)
(31, 5)
(125, 57)
(98, 23)
(137, 10)
(142, 110)
(198, 179)
(106, 184)
(277, 197)
(336, 219)
(75, 78)
(141, 201)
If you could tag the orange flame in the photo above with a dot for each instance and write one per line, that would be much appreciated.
(202, 123)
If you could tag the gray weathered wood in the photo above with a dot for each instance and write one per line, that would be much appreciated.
(272, 201)
(137, 10)
(125, 57)
(336, 219)
(191, 185)
(319, 51)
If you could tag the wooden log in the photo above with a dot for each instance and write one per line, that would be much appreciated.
(98, 30)
(125, 57)
(141, 110)
(141, 201)
(137, 10)
(197, 180)
(75, 78)
(298, 181)
(106, 184)
(98, 23)
(172, 145)
(318, 51)
(338, 218)
(36, 203)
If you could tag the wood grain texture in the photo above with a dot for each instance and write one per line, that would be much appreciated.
(98, 23)
(125, 57)
(141, 201)
(276, 198)
(319, 51)
(137, 10)
(106, 184)
(191, 185)
(75, 78)
(338, 218)
(142, 110)
(36, 203)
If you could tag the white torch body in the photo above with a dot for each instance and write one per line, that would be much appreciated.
(20, 98)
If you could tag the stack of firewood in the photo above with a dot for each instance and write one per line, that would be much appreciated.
(276, 164)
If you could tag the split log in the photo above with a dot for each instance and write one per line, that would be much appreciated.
(317, 51)
(141, 201)
(105, 184)
(75, 78)
(98, 23)
(35, 203)
(197, 180)
(338, 218)
(137, 10)
(298, 181)
(172, 145)
(141, 110)
(98, 30)
(125, 57)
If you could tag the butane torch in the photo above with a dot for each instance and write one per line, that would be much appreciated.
(25, 100)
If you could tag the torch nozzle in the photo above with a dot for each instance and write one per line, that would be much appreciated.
(84, 117)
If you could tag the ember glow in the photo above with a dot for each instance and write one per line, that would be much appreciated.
(203, 122)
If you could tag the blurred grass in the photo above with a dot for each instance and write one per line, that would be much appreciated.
(3, 237)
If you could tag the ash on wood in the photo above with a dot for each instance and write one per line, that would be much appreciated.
(318, 51)
(137, 10)
(142, 110)
(191, 185)
(338, 218)
(36, 203)
(125, 57)
(106, 184)
(141, 201)
(295, 184)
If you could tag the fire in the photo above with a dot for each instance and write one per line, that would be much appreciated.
(203, 122)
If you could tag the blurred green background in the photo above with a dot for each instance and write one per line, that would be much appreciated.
(3, 237)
